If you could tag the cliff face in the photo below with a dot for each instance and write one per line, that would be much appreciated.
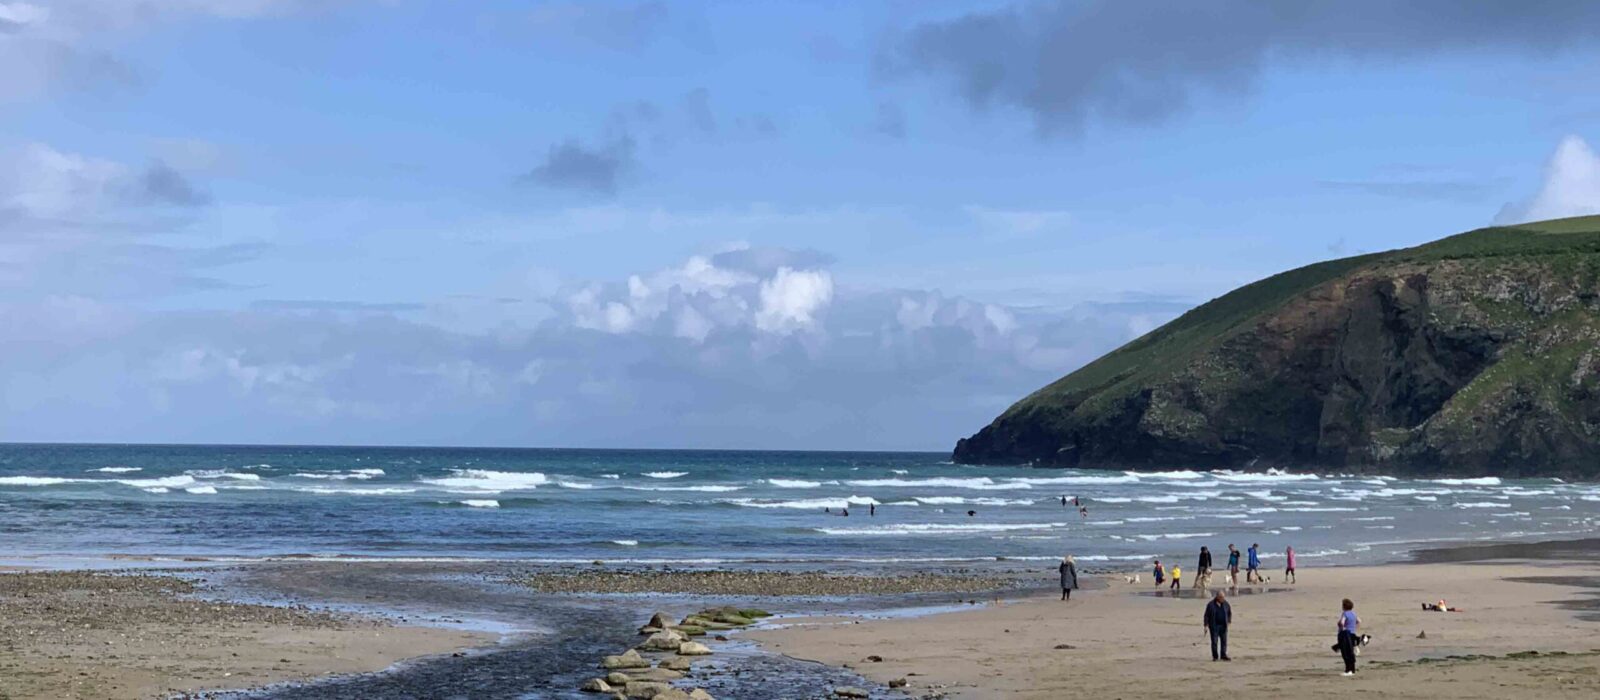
(1478, 354)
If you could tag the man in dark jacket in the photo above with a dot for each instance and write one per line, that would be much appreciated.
(1219, 614)
(1202, 574)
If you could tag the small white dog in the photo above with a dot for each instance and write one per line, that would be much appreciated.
(1131, 579)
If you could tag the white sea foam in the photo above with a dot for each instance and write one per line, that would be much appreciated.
(1183, 474)
(170, 482)
(611, 476)
(578, 485)
(379, 491)
(157, 489)
(480, 503)
(202, 490)
(900, 471)
(38, 480)
(1480, 481)
(221, 474)
(361, 474)
(937, 528)
(117, 470)
(490, 481)
(665, 475)
(1483, 504)
(1175, 536)
(625, 543)
(963, 500)
(706, 488)
(1270, 476)
(981, 483)
(803, 503)
(793, 483)
(1074, 480)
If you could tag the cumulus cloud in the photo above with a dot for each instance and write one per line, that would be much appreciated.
(1132, 61)
(745, 348)
(1571, 186)
(576, 166)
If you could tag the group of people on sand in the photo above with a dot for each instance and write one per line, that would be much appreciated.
(1219, 612)
(1202, 577)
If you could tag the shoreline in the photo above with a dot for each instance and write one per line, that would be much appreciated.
(1527, 624)
(423, 611)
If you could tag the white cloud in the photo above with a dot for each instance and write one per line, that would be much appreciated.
(1571, 186)
(792, 298)
(689, 355)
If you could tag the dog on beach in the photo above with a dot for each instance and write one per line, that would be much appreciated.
(1131, 579)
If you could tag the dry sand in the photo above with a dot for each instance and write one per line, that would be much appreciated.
(77, 634)
(1126, 644)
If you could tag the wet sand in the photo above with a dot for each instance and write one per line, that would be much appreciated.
(77, 634)
(1124, 641)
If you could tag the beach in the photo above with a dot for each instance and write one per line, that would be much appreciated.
(511, 573)
(1513, 638)
(87, 634)
(505, 629)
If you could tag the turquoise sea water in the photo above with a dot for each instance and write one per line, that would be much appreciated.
(60, 501)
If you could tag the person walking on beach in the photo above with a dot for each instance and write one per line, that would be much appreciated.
(1177, 576)
(1288, 569)
(1349, 627)
(1251, 573)
(1069, 576)
(1203, 572)
(1219, 614)
(1160, 574)
(1233, 565)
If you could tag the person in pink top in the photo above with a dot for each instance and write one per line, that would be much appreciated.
(1288, 569)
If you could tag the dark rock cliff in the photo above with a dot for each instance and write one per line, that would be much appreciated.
(1478, 354)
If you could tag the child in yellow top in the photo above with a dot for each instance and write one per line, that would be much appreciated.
(1177, 574)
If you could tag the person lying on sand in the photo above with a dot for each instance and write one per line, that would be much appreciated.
(1439, 607)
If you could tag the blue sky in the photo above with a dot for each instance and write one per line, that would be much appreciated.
(806, 225)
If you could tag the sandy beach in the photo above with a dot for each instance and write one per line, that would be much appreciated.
(1124, 641)
(78, 634)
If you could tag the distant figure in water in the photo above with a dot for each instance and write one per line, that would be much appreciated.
(845, 512)
(1288, 570)
(971, 513)
(1160, 574)
(872, 509)
(1075, 501)
(827, 510)
(1069, 576)
(1063, 501)
(1083, 511)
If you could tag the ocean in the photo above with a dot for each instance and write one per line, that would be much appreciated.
(78, 502)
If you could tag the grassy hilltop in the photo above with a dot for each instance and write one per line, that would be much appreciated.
(1478, 353)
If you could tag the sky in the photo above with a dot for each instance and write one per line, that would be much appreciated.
(818, 225)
